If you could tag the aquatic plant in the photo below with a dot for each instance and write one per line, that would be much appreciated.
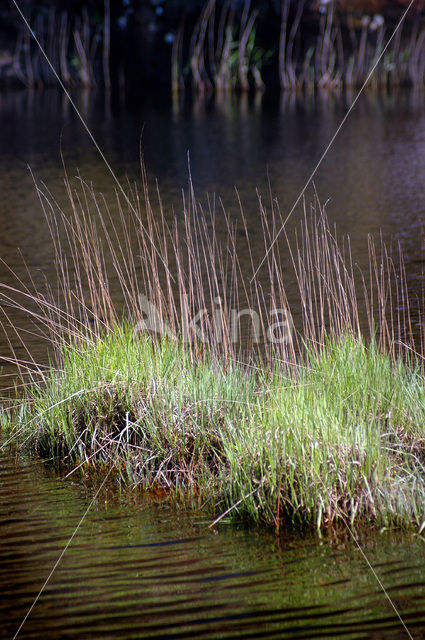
(223, 56)
(219, 46)
(339, 48)
(339, 437)
(309, 415)
(70, 42)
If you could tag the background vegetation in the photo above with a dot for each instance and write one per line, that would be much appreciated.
(210, 45)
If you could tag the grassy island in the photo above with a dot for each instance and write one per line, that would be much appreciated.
(323, 425)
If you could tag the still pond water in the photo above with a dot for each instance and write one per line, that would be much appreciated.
(140, 569)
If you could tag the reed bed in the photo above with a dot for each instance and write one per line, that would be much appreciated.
(314, 413)
(329, 50)
(71, 43)
(346, 47)
(232, 47)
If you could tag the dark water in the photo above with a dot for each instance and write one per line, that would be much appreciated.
(371, 180)
(139, 569)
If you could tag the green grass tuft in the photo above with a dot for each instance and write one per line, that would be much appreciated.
(341, 437)
(320, 426)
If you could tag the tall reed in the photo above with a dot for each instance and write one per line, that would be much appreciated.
(346, 47)
(69, 42)
(323, 424)
(330, 50)
(183, 265)
(228, 46)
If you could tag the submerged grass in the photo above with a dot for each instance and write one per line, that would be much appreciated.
(326, 424)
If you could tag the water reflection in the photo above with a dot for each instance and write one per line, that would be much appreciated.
(140, 569)
(373, 173)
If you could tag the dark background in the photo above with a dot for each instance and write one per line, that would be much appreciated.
(142, 34)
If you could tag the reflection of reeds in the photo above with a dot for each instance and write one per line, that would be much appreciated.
(324, 425)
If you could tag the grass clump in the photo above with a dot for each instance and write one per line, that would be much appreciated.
(342, 437)
(314, 419)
